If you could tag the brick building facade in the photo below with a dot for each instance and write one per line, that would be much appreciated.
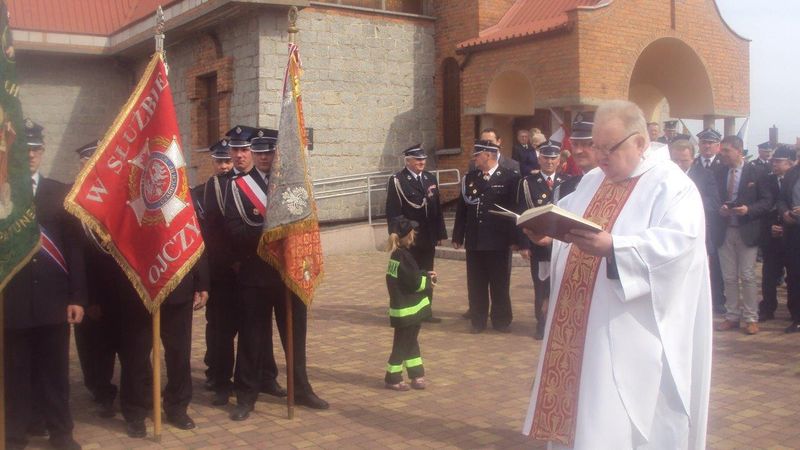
(542, 57)
(380, 75)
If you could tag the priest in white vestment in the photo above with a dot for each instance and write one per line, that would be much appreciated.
(626, 360)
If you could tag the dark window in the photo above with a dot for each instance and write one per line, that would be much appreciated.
(211, 108)
(451, 106)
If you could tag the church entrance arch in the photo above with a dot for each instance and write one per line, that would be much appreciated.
(670, 69)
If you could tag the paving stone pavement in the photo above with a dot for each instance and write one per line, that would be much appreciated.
(478, 384)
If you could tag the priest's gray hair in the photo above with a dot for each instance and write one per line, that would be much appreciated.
(631, 116)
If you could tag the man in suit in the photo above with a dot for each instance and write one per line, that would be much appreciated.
(682, 153)
(773, 244)
(747, 201)
(524, 152)
(487, 237)
(40, 303)
(670, 132)
(537, 190)
(654, 131)
(414, 194)
(788, 206)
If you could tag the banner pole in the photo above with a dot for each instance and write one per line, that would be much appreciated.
(2, 373)
(292, 31)
(157, 375)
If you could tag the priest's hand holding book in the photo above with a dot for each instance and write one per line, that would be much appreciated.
(545, 223)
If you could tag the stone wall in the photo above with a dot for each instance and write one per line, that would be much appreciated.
(368, 93)
(75, 103)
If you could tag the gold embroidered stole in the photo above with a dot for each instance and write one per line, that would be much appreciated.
(556, 413)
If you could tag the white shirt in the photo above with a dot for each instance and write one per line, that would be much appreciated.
(36, 178)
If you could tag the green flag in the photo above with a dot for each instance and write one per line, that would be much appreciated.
(19, 232)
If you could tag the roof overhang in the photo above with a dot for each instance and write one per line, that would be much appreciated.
(181, 18)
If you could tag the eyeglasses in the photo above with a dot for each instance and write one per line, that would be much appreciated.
(613, 148)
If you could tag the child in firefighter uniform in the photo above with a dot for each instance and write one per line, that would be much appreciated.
(409, 304)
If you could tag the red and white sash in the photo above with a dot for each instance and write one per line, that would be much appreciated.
(253, 192)
(50, 249)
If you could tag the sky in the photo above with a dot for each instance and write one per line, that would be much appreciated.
(774, 33)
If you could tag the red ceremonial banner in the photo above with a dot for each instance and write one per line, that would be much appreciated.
(134, 192)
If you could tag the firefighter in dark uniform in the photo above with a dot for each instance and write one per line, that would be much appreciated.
(764, 155)
(413, 193)
(97, 336)
(670, 132)
(221, 317)
(487, 237)
(537, 190)
(256, 281)
(264, 148)
(773, 241)
(176, 336)
(709, 142)
(582, 153)
(40, 302)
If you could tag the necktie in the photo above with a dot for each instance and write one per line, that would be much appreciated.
(421, 181)
(33, 185)
(706, 162)
(549, 183)
(780, 179)
(731, 184)
(486, 176)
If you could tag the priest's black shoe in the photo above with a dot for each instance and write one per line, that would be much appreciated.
(503, 329)
(221, 398)
(181, 420)
(64, 442)
(310, 400)
(476, 330)
(272, 387)
(241, 412)
(136, 429)
(432, 320)
(793, 328)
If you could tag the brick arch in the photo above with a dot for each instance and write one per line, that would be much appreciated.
(510, 93)
(667, 67)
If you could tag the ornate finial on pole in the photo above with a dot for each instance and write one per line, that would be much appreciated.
(293, 30)
(160, 26)
(159, 29)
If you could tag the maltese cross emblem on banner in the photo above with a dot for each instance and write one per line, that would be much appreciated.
(153, 195)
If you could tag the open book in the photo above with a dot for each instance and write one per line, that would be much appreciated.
(549, 220)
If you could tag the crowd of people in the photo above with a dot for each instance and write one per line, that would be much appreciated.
(615, 159)
(242, 291)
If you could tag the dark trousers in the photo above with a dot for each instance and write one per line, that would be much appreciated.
(792, 234)
(97, 341)
(773, 264)
(424, 256)
(489, 271)
(405, 353)
(136, 372)
(176, 336)
(541, 292)
(221, 329)
(255, 359)
(37, 370)
(715, 271)
(299, 331)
